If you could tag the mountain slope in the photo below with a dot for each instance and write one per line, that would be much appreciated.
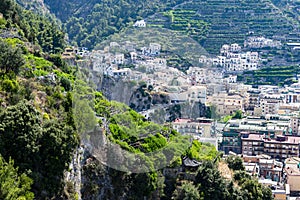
(88, 22)
(232, 21)
(211, 22)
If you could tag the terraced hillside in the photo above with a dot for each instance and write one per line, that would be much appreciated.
(290, 9)
(228, 21)
(275, 75)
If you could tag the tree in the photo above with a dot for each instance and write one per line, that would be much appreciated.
(252, 190)
(11, 58)
(235, 162)
(12, 185)
(240, 176)
(144, 184)
(43, 148)
(233, 192)
(210, 181)
(57, 144)
(187, 191)
(19, 133)
(238, 115)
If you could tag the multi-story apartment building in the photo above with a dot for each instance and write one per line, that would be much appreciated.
(292, 97)
(200, 129)
(270, 103)
(227, 104)
(266, 166)
(197, 94)
(233, 131)
(280, 148)
(295, 124)
(253, 100)
(270, 169)
(252, 144)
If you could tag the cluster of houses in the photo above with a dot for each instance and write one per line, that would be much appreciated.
(233, 59)
(266, 138)
(282, 177)
(261, 42)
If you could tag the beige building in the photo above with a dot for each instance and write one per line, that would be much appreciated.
(200, 129)
(226, 104)
(270, 103)
(295, 124)
(292, 170)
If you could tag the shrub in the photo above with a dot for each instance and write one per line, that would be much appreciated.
(10, 85)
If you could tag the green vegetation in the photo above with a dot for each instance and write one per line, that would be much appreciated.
(187, 22)
(41, 117)
(26, 25)
(214, 23)
(11, 58)
(202, 151)
(37, 131)
(130, 130)
(43, 147)
(213, 186)
(89, 22)
(14, 185)
(236, 115)
(275, 75)
(187, 191)
(235, 162)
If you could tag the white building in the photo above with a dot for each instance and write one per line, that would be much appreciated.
(117, 73)
(260, 42)
(225, 49)
(154, 48)
(119, 59)
(235, 47)
(140, 23)
(197, 94)
(232, 59)
(231, 79)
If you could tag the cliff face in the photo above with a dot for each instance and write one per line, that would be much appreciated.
(89, 179)
(116, 89)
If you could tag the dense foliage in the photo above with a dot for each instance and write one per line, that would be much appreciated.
(275, 75)
(14, 185)
(89, 22)
(37, 132)
(213, 186)
(11, 58)
(24, 24)
(43, 147)
(235, 162)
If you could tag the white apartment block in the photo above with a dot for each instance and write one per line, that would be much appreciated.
(260, 42)
(197, 94)
(232, 59)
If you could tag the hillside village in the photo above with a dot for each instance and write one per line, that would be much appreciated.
(267, 135)
(210, 88)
